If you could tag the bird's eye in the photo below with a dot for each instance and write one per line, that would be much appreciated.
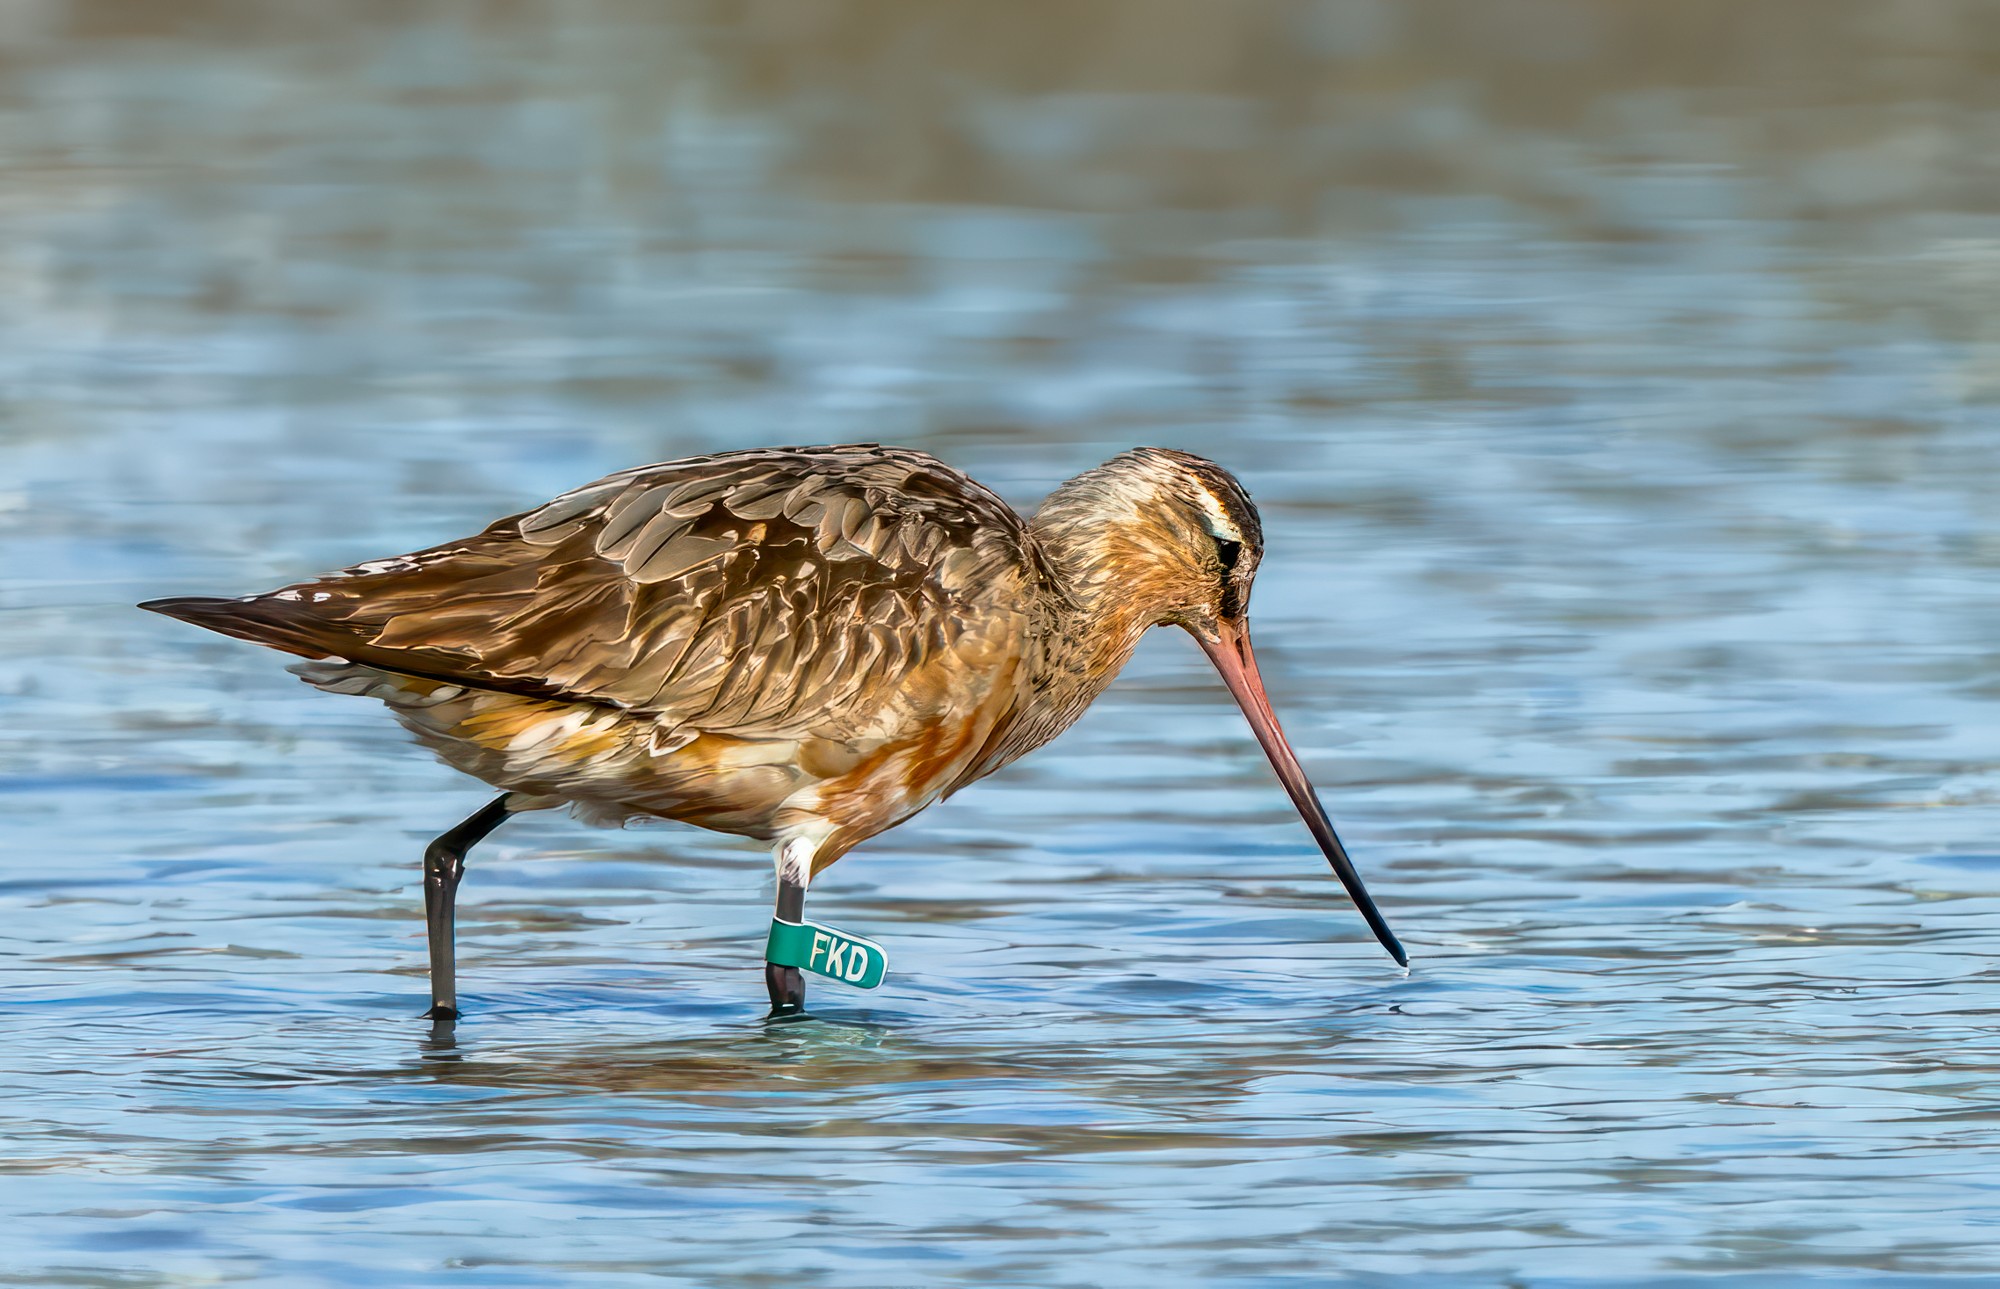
(1228, 552)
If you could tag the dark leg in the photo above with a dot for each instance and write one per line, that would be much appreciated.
(787, 985)
(444, 864)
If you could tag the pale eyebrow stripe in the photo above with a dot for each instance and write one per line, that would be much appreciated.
(1219, 523)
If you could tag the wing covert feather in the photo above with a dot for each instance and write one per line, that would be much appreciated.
(758, 593)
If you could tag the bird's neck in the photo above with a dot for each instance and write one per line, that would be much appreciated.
(1105, 597)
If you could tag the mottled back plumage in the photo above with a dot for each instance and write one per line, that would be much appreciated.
(710, 640)
(750, 593)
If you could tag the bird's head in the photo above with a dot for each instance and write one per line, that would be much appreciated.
(1203, 536)
(1170, 536)
(1176, 539)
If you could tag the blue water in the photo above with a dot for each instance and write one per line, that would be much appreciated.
(1619, 385)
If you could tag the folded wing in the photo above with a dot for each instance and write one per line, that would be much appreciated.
(754, 593)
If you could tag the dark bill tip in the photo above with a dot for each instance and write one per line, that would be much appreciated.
(1231, 654)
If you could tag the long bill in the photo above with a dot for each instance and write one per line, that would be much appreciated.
(1231, 654)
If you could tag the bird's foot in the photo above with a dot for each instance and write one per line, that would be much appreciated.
(439, 1011)
(787, 987)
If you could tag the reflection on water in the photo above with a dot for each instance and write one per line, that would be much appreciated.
(1618, 382)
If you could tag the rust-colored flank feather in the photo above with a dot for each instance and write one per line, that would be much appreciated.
(804, 645)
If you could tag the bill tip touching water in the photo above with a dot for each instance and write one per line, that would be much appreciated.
(805, 646)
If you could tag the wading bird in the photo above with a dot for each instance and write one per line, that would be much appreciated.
(802, 645)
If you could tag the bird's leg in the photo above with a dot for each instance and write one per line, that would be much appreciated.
(444, 864)
(787, 985)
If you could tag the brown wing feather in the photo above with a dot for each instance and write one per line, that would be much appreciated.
(751, 593)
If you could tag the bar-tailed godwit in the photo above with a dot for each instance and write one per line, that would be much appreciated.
(802, 645)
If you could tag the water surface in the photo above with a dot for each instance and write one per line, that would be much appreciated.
(1619, 384)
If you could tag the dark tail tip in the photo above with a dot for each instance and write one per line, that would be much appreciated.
(253, 618)
(202, 610)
